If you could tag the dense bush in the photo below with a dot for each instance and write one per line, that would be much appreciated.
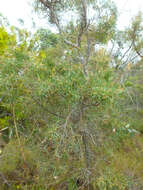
(58, 129)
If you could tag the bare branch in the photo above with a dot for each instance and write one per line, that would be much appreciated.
(83, 24)
(71, 44)
(127, 51)
(113, 45)
(47, 110)
(88, 47)
(139, 54)
(4, 180)
(83, 62)
(45, 3)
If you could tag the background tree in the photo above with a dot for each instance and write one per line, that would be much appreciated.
(46, 39)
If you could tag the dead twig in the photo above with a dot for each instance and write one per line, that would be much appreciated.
(4, 179)
(17, 134)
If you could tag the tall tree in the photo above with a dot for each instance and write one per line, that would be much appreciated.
(93, 23)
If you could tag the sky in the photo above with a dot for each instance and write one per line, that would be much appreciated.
(15, 9)
(20, 9)
(127, 9)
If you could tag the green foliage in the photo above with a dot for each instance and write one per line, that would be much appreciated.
(3, 39)
(112, 181)
(51, 115)
(46, 39)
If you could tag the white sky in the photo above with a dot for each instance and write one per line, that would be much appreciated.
(127, 9)
(15, 9)
(20, 9)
